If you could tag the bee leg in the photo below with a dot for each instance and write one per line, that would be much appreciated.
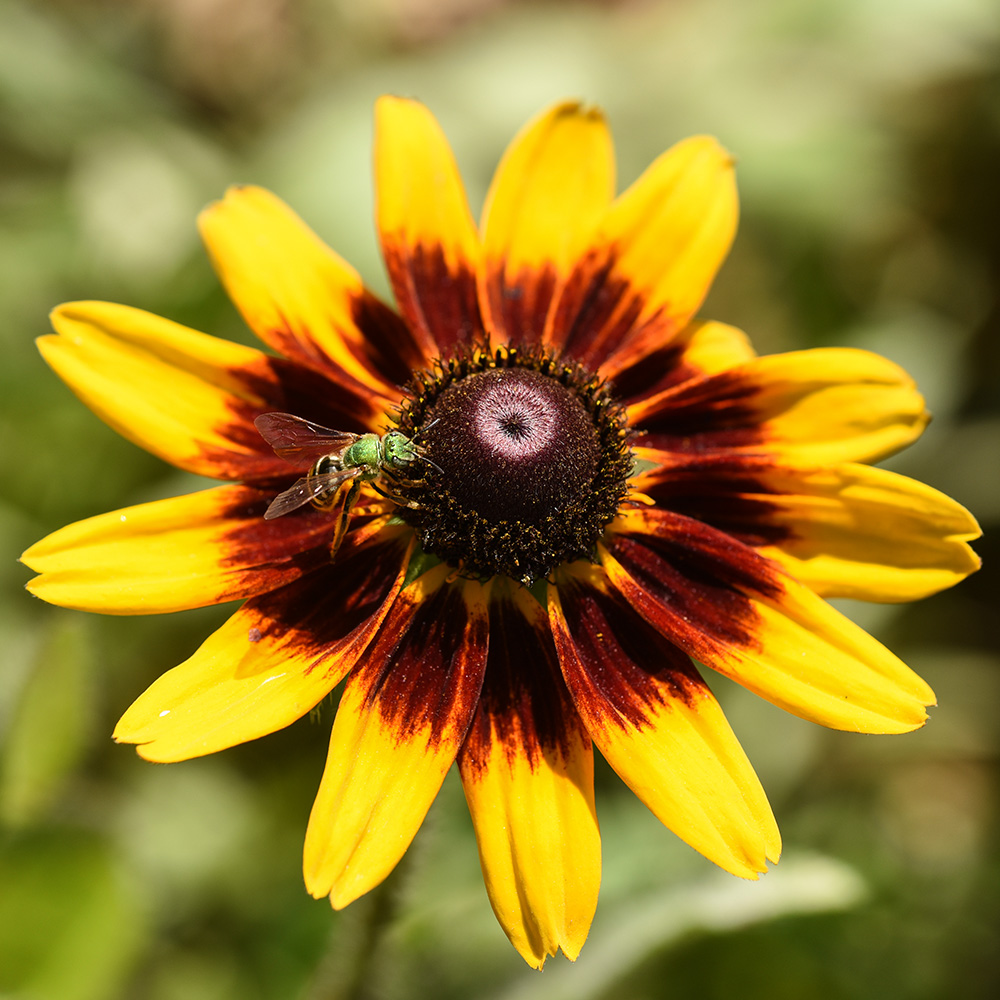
(345, 516)
(412, 504)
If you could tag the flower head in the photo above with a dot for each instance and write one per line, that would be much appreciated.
(513, 515)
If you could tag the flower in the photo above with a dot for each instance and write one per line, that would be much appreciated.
(580, 492)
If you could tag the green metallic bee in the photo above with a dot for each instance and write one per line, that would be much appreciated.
(341, 461)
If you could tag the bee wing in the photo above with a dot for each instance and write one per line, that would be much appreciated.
(297, 440)
(305, 490)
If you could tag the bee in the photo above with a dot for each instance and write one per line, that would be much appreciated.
(342, 461)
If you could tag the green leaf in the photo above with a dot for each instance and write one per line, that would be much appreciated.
(68, 930)
(50, 725)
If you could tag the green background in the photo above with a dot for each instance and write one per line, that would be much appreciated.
(867, 134)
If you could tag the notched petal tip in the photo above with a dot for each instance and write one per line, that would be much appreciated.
(233, 193)
(575, 107)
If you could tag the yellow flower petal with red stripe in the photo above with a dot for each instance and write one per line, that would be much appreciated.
(401, 721)
(189, 398)
(731, 609)
(701, 348)
(654, 257)
(846, 531)
(185, 552)
(870, 534)
(271, 662)
(713, 347)
(659, 727)
(300, 297)
(813, 407)
(528, 772)
(178, 393)
(553, 185)
(429, 239)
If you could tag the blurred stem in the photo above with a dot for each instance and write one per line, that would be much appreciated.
(346, 971)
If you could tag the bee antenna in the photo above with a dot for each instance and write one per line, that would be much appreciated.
(436, 420)
(429, 461)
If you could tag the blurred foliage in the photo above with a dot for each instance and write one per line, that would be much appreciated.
(868, 138)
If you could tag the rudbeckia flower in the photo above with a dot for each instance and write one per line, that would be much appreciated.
(518, 515)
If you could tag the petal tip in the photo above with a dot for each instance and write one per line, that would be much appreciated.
(710, 146)
(341, 896)
(234, 193)
(57, 313)
(573, 107)
(394, 104)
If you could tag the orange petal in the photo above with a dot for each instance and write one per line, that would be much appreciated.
(528, 773)
(402, 718)
(429, 240)
(554, 183)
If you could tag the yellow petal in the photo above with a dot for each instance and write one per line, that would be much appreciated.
(402, 718)
(184, 396)
(810, 407)
(655, 256)
(185, 552)
(429, 240)
(271, 662)
(553, 184)
(298, 296)
(869, 534)
(528, 773)
(660, 728)
(738, 613)
(713, 347)
(701, 348)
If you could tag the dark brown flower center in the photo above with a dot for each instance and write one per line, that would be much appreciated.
(523, 463)
(512, 444)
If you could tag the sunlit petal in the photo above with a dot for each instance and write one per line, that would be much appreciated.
(869, 534)
(185, 552)
(701, 348)
(819, 406)
(660, 728)
(301, 298)
(553, 185)
(184, 396)
(271, 662)
(401, 721)
(653, 259)
(429, 239)
(528, 773)
(731, 609)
